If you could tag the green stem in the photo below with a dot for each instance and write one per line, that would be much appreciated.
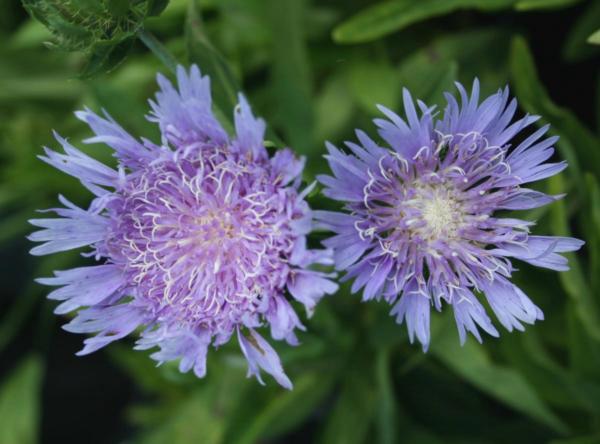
(159, 50)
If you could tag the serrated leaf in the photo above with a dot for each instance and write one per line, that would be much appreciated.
(392, 16)
(20, 403)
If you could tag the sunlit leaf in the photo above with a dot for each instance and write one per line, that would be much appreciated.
(392, 16)
(527, 5)
(594, 38)
(20, 403)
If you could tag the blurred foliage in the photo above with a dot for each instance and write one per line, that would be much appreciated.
(315, 71)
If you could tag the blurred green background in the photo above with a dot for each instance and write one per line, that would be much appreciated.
(314, 70)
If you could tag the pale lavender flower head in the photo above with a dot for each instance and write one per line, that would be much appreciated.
(423, 224)
(195, 239)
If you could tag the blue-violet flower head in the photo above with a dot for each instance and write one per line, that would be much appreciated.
(421, 225)
(197, 238)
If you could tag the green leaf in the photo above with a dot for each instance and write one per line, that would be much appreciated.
(20, 403)
(291, 89)
(387, 410)
(155, 7)
(591, 223)
(528, 5)
(105, 57)
(200, 51)
(594, 38)
(472, 363)
(588, 439)
(584, 357)
(353, 412)
(392, 16)
(436, 76)
(199, 417)
(158, 49)
(334, 108)
(373, 83)
(573, 280)
(577, 45)
(481, 53)
(281, 412)
(577, 144)
(193, 420)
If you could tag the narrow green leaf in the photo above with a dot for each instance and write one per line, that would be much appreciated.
(573, 280)
(392, 16)
(594, 39)
(193, 420)
(199, 417)
(436, 76)
(577, 144)
(472, 363)
(591, 222)
(584, 355)
(387, 410)
(577, 45)
(200, 51)
(291, 89)
(528, 5)
(353, 412)
(588, 439)
(334, 108)
(155, 7)
(284, 411)
(20, 403)
(158, 49)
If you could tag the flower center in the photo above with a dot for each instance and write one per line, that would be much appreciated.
(434, 212)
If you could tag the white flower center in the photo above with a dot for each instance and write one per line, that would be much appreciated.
(441, 213)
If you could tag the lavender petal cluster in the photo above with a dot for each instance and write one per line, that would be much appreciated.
(425, 220)
(194, 239)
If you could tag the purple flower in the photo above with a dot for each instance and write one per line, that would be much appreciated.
(422, 225)
(195, 239)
